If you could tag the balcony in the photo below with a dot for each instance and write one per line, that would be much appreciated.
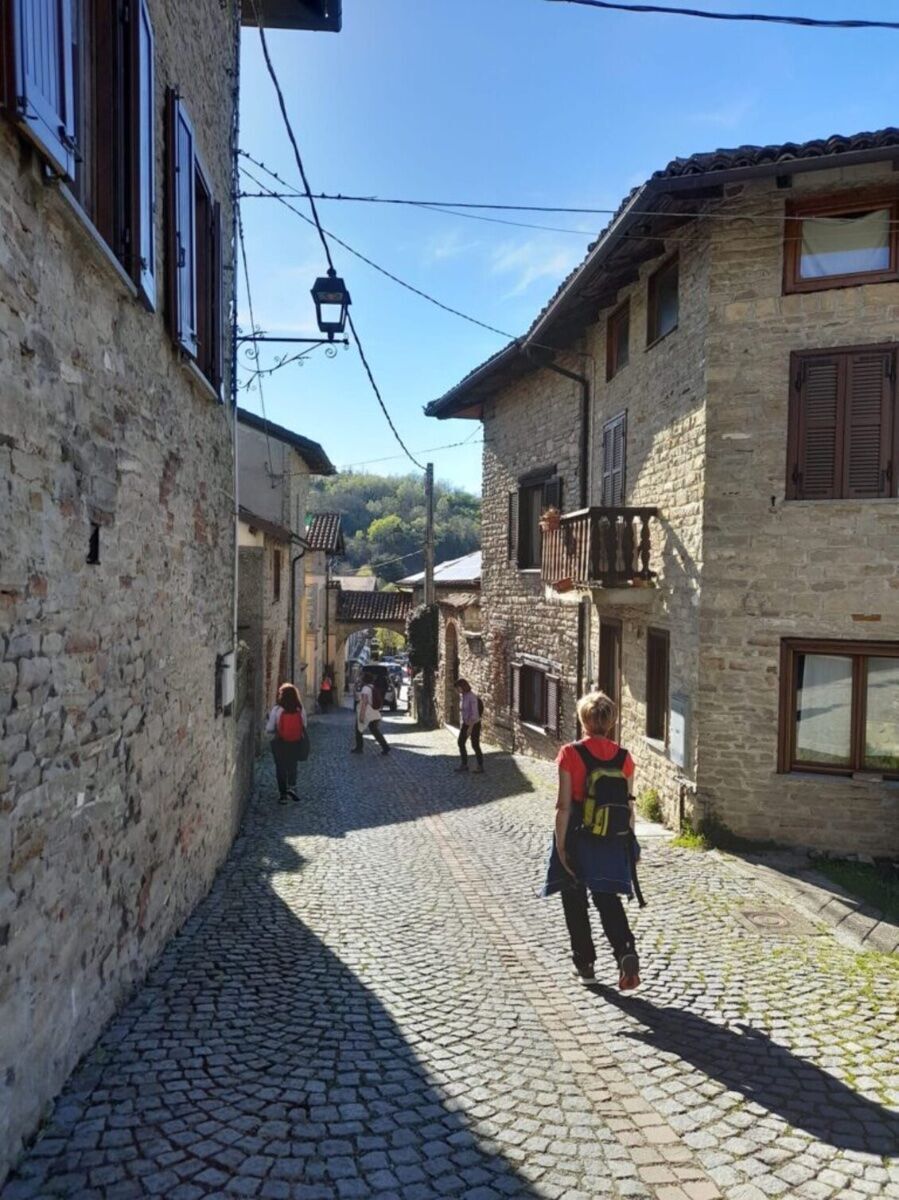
(599, 548)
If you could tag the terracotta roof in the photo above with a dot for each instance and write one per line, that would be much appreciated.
(373, 608)
(459, 599)
(323, 532)
(311, 452)
(612, 259)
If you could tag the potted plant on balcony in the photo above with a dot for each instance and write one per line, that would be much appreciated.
(563, 585)
(550, 519)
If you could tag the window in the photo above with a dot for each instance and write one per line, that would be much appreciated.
(657, 684)
(614, 455)
(662, 302)
(537, 697)
(195, 296)
(842, 425)
(537, 491)
(618, 330)
(840, 707)
(841, 243)
(276, 576)
(83, 91)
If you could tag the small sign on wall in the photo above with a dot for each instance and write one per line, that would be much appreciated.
(679, 729)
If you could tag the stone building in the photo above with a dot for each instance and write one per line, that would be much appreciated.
(118, 760)
(324, 542)
(710, 401)
(274, 469)
(457, 589)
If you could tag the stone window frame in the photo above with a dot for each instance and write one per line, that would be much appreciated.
(618, 317)
(548, 482)
(859, 652)
(547, 716)
(836, 206)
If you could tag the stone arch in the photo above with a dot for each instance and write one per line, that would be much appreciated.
(451, 673)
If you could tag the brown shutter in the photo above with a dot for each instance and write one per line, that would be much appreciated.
(515, 689)
(657, 684)
(218, 300)
(40, 85)
(145, 156)
(513, 527)
(181, 227)
(553, 712)
(870, 384)
(614, 456)
(816, 458)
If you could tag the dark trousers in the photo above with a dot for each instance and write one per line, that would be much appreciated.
(475, 731)
(374, 728)
(286, 756)
(577, 918)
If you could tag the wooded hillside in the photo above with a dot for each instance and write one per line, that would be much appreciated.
(384, 520)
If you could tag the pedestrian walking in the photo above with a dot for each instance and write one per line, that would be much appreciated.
(368, 714)
(472, 709)
(594, 847)
(287, 723)
(325, 692)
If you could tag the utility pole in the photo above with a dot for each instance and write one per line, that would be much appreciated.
(429, 534)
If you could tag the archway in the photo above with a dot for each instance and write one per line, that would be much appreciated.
(451, 673)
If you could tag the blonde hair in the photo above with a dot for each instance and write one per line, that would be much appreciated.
(596, 713)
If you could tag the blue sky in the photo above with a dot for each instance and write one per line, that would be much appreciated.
(507, 101)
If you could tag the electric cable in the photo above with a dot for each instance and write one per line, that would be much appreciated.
(706, 14)
(321, 233)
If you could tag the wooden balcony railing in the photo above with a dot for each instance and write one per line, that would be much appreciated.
(599, 547)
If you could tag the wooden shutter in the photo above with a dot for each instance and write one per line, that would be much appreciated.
(614, 457)
(40, 83)
(145, 157)
(816, 449)
(513, 527)
(552, 493)
(868, 429)
(182, 227)
(657, 684)
(553, 705)
(515, 689)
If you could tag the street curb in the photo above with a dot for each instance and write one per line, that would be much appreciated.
(854, 923)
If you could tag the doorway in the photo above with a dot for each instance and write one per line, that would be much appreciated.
(609, 675)
(451, 668)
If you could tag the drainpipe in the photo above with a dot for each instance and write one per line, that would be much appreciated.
(293, 597)
(235, 187)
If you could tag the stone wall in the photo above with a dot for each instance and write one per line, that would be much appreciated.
(530, 424)
(117, 774)
(462, 627)
(774, 568)
(662, 390)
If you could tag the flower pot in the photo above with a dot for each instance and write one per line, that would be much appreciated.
(550, 520)
(563, 585)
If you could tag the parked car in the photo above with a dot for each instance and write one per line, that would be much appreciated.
(384, 682)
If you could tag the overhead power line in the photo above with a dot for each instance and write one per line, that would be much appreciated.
(447, 206)
(706, 14)
(321, 233)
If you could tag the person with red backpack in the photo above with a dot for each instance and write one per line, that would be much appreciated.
(287, 721)
(594, 849)
(368, 714)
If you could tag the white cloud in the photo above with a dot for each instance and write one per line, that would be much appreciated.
(727, 116)
(447, 245)
(526, 263)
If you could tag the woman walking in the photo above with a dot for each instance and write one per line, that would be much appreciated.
(287, 721)
(470, 713)
(594, 848)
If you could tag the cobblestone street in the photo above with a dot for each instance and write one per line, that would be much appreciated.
(373, 1002)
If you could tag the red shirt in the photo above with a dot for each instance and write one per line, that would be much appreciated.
(602, 748)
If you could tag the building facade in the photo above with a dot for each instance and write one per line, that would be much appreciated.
(697, 512)
(275, 466)
(119, 777)
(324, 540)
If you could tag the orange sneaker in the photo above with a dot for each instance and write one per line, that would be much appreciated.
(629, 972)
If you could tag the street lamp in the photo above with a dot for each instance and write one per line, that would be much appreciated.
(331, 303)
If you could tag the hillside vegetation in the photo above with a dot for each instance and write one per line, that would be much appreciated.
(384, 520)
